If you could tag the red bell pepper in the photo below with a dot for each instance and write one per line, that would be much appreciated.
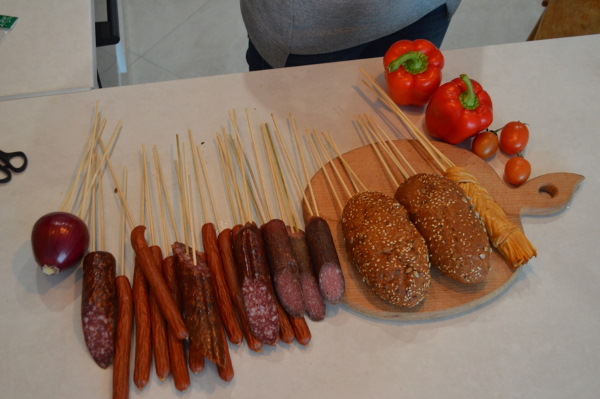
(413, 71)
(458, 110)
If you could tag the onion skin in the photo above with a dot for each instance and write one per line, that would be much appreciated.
(59, 240)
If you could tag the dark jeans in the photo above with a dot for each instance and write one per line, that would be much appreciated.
(432, 27)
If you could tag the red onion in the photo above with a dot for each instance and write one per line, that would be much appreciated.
(59, 241)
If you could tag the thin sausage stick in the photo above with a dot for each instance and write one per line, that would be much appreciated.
(215, 264)
(159, 329)
(224, 241)
(179, 368)
(123, 338)
(143, 340)
(165, 301)
(301, 330)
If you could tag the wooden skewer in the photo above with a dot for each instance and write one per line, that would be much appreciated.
(226, 168)
(208, 185)
(315, 208)
(353, 176)
(167, 202)
(321, 165)
(123, 222)
(196, 164)
(291, 170)
(260, 174)
(370, 137)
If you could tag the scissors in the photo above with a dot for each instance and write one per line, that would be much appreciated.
(7, 167)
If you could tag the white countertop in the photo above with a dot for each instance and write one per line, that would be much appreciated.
(51, 49)
(536, 340)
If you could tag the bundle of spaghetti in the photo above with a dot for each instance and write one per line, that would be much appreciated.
(508, 238)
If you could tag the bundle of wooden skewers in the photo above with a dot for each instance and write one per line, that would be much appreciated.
(197, 290)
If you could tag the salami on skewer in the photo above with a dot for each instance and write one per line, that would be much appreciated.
(253, 271)
(314, 304)
(199, 307)
(283, 266)
(98, 306)
(224, 241)
(325, 260)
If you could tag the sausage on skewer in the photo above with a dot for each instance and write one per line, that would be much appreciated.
(283, 266)
(325, 260)
(179, 368)
(122, 338)
(215, 264)
(98, 306)
(259, 300)
(314, 303)
(159, 328)
(224, 241)
(157, 283)
(143, 340)
(199, 307)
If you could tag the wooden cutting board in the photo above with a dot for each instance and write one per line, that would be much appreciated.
(542, 195)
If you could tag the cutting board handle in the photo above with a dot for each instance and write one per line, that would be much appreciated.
(547, 194)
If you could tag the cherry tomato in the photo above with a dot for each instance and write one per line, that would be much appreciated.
(514, 137)
(485, 144)
(517, 170)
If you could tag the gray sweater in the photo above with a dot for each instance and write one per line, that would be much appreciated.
(281, 27)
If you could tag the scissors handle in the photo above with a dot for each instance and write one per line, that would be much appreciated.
(5, 174)
(6, 158)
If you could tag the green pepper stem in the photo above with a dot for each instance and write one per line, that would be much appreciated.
(414, 62)
(468, 98)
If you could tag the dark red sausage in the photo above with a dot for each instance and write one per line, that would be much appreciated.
(253, 272)
(122, 338)
(179, 368)
(325, 260)
(143, 340)
(224, 241)
(199, 306)
(98, 306)
(314, 303)
(283, 266)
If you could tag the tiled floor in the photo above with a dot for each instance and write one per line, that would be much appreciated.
(176, 39)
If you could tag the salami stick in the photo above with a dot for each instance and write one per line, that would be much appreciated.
(325, 259)
(199, 307)
(283, 266)
(179, 368)
(160, 347)
(257, 293)
(314, 303)
(225, 245)
(215, 264)
(143, 340)
(157, 283)
(98, 306)
(123, 338)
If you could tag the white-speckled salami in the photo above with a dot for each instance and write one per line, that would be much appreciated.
(98, 306)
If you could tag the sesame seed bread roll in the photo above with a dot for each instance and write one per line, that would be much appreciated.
(386, 248)
(455, 235)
